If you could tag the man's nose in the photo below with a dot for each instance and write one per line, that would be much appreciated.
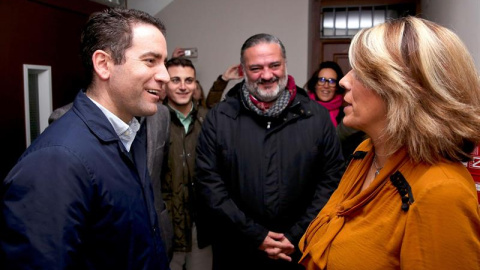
(162, 74)
(267, 74)
(183, 85)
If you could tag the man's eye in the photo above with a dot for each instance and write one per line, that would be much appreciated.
(189, 81)
(175, 80)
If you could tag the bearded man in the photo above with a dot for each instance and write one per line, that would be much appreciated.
(268, 160)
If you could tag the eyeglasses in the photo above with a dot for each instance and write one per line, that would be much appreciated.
(323, 80)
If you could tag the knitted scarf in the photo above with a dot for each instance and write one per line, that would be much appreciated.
(270, 109)
(333, 106)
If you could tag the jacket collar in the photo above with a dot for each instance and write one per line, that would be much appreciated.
(173, 115)
(94, 118)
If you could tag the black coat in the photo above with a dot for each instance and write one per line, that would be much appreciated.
(257, 174)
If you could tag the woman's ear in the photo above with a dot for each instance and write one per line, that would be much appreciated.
(102, 63)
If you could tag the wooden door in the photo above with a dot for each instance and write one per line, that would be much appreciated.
(337, 51)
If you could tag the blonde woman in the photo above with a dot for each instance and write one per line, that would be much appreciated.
(406, 201)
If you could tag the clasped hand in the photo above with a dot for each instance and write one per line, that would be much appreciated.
(277, 246)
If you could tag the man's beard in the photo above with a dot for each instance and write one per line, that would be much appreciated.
(267, 95)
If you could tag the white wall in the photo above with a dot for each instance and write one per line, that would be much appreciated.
(218, 29)
(461, 16)
(152, 7)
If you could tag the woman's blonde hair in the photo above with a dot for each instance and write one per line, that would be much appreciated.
(429, 82)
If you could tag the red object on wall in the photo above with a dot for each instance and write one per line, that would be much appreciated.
(473, 167)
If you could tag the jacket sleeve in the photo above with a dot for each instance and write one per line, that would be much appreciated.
(442, 230)
(330, 168)
(212, 189)
(45, 199)
(215, 94)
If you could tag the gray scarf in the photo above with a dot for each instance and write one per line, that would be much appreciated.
(274, 111)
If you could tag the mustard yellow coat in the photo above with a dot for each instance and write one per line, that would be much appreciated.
(369, 230)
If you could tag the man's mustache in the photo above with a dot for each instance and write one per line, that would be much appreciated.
(262, 81)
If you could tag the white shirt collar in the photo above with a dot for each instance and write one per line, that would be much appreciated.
(126, 132)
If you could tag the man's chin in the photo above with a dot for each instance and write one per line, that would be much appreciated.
(149, 110)
(268, 95)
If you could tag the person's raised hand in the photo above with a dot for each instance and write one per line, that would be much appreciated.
(232, 73)
(178, 52)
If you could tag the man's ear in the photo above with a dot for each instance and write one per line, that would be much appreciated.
(102, 63)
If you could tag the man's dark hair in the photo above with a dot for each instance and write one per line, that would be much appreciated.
(258, 39)
(180, 61)
(111, 30)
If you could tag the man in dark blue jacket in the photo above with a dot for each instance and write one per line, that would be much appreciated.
(268, 159)
(80, 197)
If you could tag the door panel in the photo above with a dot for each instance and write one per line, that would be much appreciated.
(337, 51)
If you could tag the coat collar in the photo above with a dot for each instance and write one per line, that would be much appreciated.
(173, 115)
(94, 118)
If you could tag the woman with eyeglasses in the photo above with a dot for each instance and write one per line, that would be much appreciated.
(323, 87)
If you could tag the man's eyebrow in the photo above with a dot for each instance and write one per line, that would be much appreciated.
(267, 64)
(151, 54)
(186, 78)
